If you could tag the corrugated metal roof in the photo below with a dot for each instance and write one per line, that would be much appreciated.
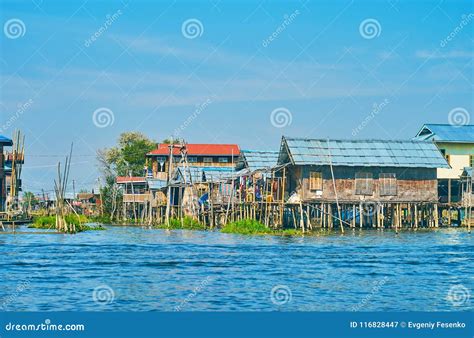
(468, 172)
(199, 174)
(156, 184)
(446, 133)
(258, 159)
(365, 153)
(5, 141)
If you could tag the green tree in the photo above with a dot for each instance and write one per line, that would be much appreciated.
(127, 158)
(29, 200)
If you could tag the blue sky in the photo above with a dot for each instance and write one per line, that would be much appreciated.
(339, 69)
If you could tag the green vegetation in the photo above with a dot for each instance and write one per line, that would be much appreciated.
(49, 222)
(127, 158)
(101, 219)
(252, 227)
(29, 200)
(187, 223)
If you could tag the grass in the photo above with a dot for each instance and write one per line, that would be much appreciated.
(187, 223)
(101, 219)
(49, 222)
(252, 227)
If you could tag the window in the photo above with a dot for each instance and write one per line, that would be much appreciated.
(388, 184)
(364, 183)
(207, 160)
(192, 159)
(223, 160)
(443, 151)
(315, 180)
(471, 161)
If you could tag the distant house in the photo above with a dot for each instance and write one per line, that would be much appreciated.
(89, 203)
(257, 169)
(198, 155)
(355, 172)
(4, 142)
(135, 195)
(456, 143)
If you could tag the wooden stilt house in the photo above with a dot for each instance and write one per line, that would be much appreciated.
(372, 183)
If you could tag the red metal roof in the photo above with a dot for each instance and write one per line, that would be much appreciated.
(126, 179)
(199, 149)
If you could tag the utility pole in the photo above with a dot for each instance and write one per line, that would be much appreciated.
(168, 198)
(74, 189)
(101, 198)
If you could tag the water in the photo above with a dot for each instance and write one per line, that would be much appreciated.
(157, 270)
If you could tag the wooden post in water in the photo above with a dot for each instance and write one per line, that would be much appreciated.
(353, 216)
(282, 202)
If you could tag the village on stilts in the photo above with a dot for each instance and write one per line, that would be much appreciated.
(305, 185)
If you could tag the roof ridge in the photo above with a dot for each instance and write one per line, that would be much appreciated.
(355, 140)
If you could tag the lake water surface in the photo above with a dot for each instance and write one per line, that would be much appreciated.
(140, 269)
